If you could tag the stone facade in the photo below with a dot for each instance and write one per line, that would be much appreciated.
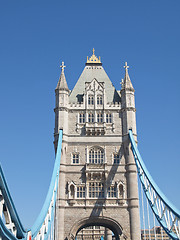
(98, 179)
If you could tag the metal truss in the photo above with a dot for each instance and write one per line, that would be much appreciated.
(166, 214)
(10, 225)
(41, 230)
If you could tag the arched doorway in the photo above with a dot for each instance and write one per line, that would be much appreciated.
(105, 222)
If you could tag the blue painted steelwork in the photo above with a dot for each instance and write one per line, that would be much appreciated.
(167, 215)
(49, 204)
(5, 233)
(46, 217)
(9, 205)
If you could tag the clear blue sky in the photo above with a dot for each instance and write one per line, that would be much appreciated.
(36, 36)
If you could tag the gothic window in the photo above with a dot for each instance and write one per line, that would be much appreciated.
(90, 117)
(96, 156)
(72, 191)
(108, 118)
(112, 191)
(81, 118)
(96, 190)
(99, 100)
(91, 100)
(75, 158)
(99, 117)
(80, 192)
(121, 191)
(116, 158)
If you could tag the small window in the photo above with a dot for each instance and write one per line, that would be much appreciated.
(108, 118)
(96, 190)
(90, 100)
(90, 117)
(116, 157)
(75, 158)
(97, 227)
(112, 191)
(80, 192)
(90, 227)
(99, 117)
(99, 100)
(81, 118)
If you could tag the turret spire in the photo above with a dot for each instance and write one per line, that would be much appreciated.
(62, 84)
(126, 83)
(126, 67)
(62, 67)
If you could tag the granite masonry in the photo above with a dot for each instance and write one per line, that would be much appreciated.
(98, 177)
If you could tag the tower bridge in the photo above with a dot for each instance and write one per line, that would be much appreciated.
(93, 192)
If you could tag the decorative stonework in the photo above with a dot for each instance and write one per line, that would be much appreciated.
(97, 183)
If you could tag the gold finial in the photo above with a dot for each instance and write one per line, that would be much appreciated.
(62, 67)
(93, 58)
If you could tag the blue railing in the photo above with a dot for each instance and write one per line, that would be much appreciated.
(166, 213)
(13, 216)
(51, 194)
(45, 220)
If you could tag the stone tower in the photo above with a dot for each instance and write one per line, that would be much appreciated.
(98, 179)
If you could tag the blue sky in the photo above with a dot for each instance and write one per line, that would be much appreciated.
(37, 35)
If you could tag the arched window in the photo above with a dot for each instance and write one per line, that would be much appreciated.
(90, 117)
(99, 117)
(72, 191)
(96, 156)
(99, 100)
(90, 100)
(121, 191)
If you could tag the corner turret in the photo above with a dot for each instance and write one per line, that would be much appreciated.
(62, 103)
(62, 84)
(129, 122)
(126, 82)
(128, 103)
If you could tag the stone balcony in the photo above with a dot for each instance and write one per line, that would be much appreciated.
(96, 172)
(94, 129)
(95, 166)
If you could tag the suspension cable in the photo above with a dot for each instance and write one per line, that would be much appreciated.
(148, 218)
(56, 219)
(144, 226)
(154, 227)
(161, 234)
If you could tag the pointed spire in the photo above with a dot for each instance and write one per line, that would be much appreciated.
(126, 83)
(62, 84)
